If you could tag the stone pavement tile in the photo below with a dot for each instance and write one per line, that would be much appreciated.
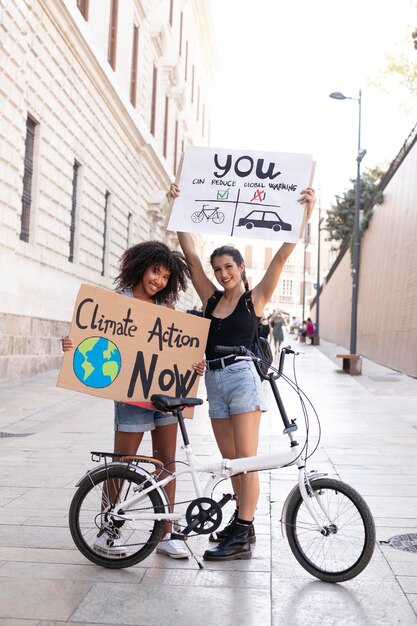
(408, 583)
(8, 621)
(400, 507)
(405, 568)
(40, 599)
(297, 603)
(63, 571)
(54, 623)
(209, 578)
(41, 555)
(35, 537)
(152, 605)
(412, 597)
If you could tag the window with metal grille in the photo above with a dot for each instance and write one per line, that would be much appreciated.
(27, 179)
(166, 126)
(114, 6)
(129, 228)
(176, 147)
(82, 6)
(180, 37)
(75, 172)
(106, 210)
(134, 70)
(153, 109)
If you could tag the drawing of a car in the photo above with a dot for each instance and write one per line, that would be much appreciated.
(264, 219)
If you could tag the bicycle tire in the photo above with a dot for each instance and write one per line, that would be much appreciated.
(87, 516)
(219, 218)
(347, 548)
(197, 217)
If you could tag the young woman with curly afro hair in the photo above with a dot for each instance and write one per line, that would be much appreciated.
(151, 272)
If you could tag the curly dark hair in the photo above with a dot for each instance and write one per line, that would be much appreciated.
(135, 261)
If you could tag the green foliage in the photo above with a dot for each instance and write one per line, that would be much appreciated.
(340, 217)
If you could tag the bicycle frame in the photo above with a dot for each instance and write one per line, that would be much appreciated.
(218, 471)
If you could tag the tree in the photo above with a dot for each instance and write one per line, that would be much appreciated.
(400, 73)
(340, 217)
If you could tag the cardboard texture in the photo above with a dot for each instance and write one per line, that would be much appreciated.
(127, 350)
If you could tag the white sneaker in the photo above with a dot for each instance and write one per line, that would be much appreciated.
(174, 548)
(102, 545)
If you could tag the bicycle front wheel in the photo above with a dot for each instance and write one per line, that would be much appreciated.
(104, 529)
(344, 545)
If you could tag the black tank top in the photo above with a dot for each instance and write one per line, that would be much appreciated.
(238, 329)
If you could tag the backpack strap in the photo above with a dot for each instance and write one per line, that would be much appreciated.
(211, 302)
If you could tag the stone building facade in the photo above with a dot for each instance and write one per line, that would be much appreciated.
(98, 100)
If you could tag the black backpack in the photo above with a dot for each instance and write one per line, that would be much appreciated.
(260, 346)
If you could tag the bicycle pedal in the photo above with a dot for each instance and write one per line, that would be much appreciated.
(179, 536)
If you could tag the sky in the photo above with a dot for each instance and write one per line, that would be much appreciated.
(278, 61)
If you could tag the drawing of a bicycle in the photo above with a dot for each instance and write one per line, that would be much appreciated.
(210, 214)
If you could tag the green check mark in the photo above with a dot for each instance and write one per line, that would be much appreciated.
(223, 195)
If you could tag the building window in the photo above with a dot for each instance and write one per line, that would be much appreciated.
(82, 6)
(176, 147)
(166, 126)
(75, 178)
(106, 211)
(181, 26)
(114, 6)
(134, 70)
(268, 257)
(248, 256)
(153, 109)
(129, 229)
(186, 61)
(27, 179)
(171, 12)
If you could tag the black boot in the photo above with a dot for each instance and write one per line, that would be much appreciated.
(228, 529)
(235, 546)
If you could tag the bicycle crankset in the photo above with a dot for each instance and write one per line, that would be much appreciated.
(203, 516)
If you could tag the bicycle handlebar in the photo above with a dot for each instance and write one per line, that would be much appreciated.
(242, 351)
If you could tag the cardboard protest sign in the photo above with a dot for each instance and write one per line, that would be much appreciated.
(127, 350)
(249, 194)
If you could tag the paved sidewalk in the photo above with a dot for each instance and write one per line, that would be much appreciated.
(369, 439)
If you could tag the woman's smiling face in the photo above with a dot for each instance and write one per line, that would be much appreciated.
(155, 279)
(226, 271)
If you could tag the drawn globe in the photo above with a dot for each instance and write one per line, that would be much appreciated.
(97, 362)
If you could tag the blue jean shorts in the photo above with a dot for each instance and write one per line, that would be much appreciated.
(135, 419)
(234, 389)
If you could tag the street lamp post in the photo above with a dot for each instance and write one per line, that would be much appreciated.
(321, 219)
(337, 95)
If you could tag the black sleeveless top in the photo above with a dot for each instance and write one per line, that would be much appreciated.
(238, 329)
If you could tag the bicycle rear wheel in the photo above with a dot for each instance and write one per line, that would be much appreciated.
(111, 541)
(345, 546)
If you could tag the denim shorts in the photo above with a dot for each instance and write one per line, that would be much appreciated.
(135, 419)
(234, 389)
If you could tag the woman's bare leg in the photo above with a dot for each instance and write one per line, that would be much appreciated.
(164, 443)
(224, 435)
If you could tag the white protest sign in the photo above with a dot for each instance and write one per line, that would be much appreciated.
(237, 193)
(127, 350)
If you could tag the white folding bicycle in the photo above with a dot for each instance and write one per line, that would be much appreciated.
(328, 525)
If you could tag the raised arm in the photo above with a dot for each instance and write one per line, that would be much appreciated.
(202, 284)
(262, 293)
